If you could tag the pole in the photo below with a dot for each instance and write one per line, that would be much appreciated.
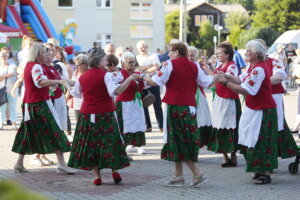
(184, 21)
(181, 21)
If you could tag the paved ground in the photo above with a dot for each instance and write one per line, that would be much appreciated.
(145, 177)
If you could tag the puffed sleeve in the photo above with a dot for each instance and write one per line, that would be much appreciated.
(162, 77)
(37, 74)
(113, 81)
(76, 91)
(253, 81)
(278, 68)
(203, 79)
(232, 70)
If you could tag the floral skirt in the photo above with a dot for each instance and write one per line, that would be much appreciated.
(183, 135)
(40, 134)
(98, 144)
(225, 140)
(287, 146)
(263, 157)
(136, 139)
(205, 133)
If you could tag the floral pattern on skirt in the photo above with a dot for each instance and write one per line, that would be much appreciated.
(225, 140)
(287, 146)
(98, 144)
(183, 135)
(137, 139)
(40, 134)
(263, 157)
(205, 133)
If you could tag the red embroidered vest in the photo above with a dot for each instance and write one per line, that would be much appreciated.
(277, 88)
(182, 86)
(53, 74)
(263, 99)
(223, 91)
(32, 93)
(95, 95)
(129, 93)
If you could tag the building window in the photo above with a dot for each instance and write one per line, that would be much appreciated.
(103, 39)
(103, 3)
(141, 11)
(211, 19)
(141, 31)
(197, 20)
(65, 3)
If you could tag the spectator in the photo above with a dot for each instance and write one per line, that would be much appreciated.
(238, 60)
(110, 49)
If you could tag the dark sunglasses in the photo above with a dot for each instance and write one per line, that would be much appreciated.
(109, 65)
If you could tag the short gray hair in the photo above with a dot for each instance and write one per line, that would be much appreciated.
(34, 52)
(95, 56)
(257, 47)
(82, 59)
(126, 55)
(140, 42)
(194, 50)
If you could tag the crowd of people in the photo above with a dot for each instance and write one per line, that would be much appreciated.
(106, 88)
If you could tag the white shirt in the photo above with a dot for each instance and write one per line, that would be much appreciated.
(148, 60)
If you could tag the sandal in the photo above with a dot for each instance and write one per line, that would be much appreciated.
(263, 179)
(256, 175)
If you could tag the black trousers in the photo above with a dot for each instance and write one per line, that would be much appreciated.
(157, 107)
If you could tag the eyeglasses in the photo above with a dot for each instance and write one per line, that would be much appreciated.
(109, 65)
(131, 62)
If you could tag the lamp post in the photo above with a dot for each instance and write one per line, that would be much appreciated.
(218, 28)
(182, 21)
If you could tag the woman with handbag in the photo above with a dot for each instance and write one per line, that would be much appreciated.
(181, 134)
(40, 130)
(7, 79)
(130, 110)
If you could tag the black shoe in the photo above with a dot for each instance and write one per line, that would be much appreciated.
(8, 122)
(148, 130)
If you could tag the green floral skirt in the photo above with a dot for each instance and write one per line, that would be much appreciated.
(98, 144)
(40, 134)
(225, 140)
(287, 146)
(183, 135)
(137, 139)
(205, 133)
(263, 157)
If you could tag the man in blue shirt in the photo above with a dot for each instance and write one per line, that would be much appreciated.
(238, 60)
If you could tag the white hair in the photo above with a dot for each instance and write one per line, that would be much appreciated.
(257, 47)
(82, 59)
(194, 51)
(141, 42)
(126, 55)
(119, 51)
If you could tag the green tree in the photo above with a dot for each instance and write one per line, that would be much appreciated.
(267, 34)
(236, 22)
(206, 32)
(281, 15)
(172, 26)
(248, 4)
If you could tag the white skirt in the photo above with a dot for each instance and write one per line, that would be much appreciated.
(249, 126)
(133, 117)
(223, 113)
(61, 109)
(280, 111)
(203, 112)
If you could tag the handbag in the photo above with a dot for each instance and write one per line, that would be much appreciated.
(148, 99)
(3, 94)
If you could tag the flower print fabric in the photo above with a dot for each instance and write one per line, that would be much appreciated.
(37, 74)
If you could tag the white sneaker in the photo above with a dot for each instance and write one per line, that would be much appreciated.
(14, 127)
(141, 150)
(130, 148)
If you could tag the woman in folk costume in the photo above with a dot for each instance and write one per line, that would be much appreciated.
(203, 112)
(226, 110)
(130, 110)
(258, 124)
(97, 142)
(287, 146)
(181, 133)
(39, 131)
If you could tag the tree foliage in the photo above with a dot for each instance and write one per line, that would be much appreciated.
(248, 4)
(282, 15)
(172, 26)
(206, 32)
(268, 34)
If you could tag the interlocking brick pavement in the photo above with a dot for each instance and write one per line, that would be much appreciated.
(145, 178)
